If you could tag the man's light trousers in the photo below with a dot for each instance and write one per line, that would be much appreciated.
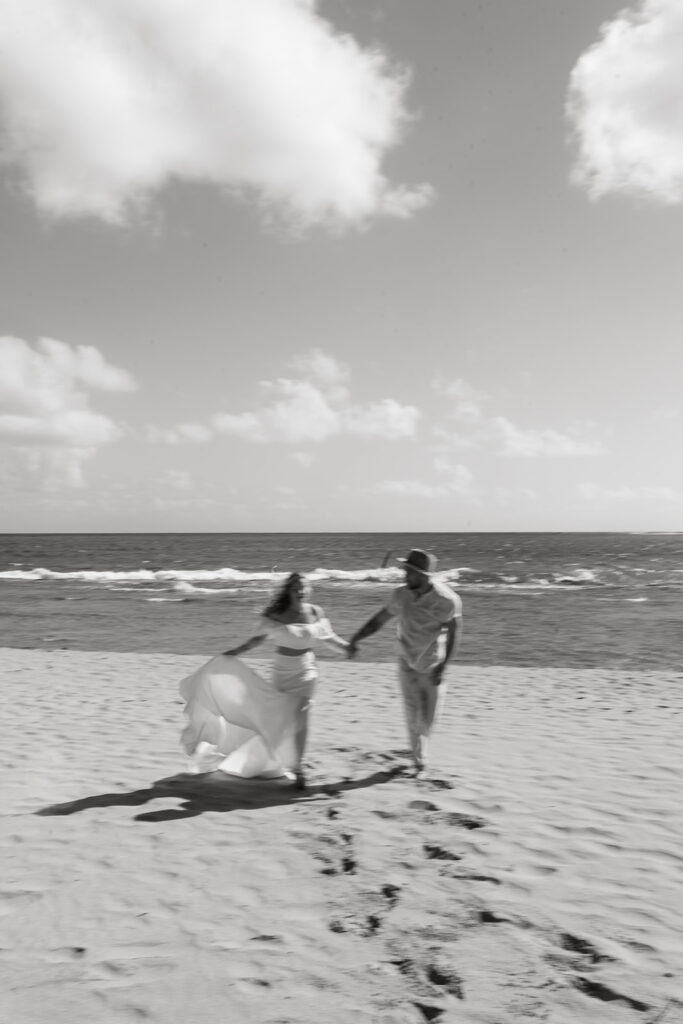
(421, 699)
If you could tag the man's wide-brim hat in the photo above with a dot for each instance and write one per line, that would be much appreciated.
(421, 561)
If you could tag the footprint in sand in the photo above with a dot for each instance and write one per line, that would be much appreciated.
(333, 849)
(437, 784)
(596, 990)
(430, 814)
(426, 976)
(364, 911)
(468, 877)
(335, 853)
(428, 980)
(578, 956)
(365, 926)
(434, 852)
(391, 893)
(436, 815)
(575, 944)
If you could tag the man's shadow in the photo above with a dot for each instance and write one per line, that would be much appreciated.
(220, 793)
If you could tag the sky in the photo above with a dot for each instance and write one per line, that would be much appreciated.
(353, 265)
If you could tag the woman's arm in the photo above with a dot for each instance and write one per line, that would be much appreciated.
(302, 634)
(336, 641)
(248, 645)
(328, 636)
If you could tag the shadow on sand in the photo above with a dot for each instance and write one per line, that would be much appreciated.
(219, 793)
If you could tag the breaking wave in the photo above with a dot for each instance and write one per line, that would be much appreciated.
(194, 582)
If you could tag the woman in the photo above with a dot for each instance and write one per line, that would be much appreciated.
(257, 727)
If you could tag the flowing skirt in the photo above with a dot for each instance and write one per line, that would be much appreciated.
(241, 723)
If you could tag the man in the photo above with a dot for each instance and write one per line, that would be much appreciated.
(429, 629)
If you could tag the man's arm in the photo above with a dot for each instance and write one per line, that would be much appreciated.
(370, 627)
(248, 645)
(453, 638)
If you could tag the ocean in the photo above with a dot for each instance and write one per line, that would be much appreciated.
(540, 599)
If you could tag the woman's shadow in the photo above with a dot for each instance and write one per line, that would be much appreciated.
(219, 793)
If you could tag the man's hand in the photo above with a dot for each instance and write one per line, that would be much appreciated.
(352, 649)
(437, 673)
(453, 630)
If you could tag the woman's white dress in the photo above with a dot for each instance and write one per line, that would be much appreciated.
(243, 724)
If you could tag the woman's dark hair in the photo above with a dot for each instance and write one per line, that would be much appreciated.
(283, 598)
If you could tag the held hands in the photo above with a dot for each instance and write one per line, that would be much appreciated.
(351, 649)
(340, 643)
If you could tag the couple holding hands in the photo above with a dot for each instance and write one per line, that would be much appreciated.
(248, 726)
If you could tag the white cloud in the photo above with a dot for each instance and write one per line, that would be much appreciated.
(47, 469)
(299, 411)
(304, 459)
(322, 367)
(45, 406)
(451, 479)
(596, 492)
(455, 438)
(103, 104)
(457, 477)
(317, 409)
(194, 432)
(475, 427)
(625, 103)
(388, 419)
(411, 489)
(532, 443)
(45, 415)
(50, 378)
(467, 402)
(70, 427)
(197, 433)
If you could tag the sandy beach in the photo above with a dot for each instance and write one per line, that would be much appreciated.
(536, 876)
